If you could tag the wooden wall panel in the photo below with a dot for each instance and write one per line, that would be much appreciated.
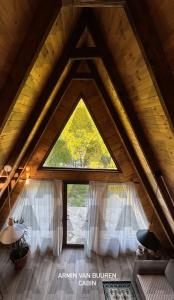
(162, 12)
(15, 18)
(37, 78)
(143, 96)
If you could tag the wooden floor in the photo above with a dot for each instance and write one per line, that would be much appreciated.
(39, 278)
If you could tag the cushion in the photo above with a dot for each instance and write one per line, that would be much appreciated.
(155, 287)
(169, 273)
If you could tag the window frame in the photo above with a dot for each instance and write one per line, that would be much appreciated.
(45, 168)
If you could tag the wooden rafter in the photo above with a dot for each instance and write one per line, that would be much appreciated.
(82, 76)
(85, 53)
(126, 103)
(93, 3)
(131, 152)
(33, 41)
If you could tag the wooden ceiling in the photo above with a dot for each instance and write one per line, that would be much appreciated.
(129, 61)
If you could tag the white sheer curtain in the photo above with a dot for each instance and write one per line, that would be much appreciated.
(40, 205)
(114, 215)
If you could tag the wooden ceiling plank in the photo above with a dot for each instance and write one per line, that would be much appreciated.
(33, 41)
(131, 152)
(153, 53)
(119, 87)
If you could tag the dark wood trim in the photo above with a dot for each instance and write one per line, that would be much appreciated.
(132, 154)
(73, 246)
(85, 53)
(57, 169)
(164, 189)
(126, 103)
(32, 43)
(76, 182)
(78, 176)
(94, 3)
(153, 53)
(82, 76)
(64, 214)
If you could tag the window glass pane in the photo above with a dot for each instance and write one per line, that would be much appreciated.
(80, 144)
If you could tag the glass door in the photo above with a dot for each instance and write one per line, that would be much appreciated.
(76, 211)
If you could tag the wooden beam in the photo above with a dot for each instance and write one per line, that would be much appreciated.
(93, 3)
(118, 85)
(85, 53)
(82, 76)
(32, 43)
(153, 53)
(131, 152)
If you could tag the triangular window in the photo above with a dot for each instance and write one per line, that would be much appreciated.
(80, 144)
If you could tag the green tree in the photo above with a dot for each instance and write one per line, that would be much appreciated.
(59, 155)
(80, 144)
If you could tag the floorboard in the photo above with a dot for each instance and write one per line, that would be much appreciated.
(39, 278)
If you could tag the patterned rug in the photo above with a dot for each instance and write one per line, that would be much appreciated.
(120, 290)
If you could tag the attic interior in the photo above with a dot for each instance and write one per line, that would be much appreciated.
(86, 149)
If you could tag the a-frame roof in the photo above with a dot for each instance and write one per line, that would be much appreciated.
(130, 77)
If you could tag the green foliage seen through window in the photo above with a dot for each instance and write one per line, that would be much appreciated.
(80, 144)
